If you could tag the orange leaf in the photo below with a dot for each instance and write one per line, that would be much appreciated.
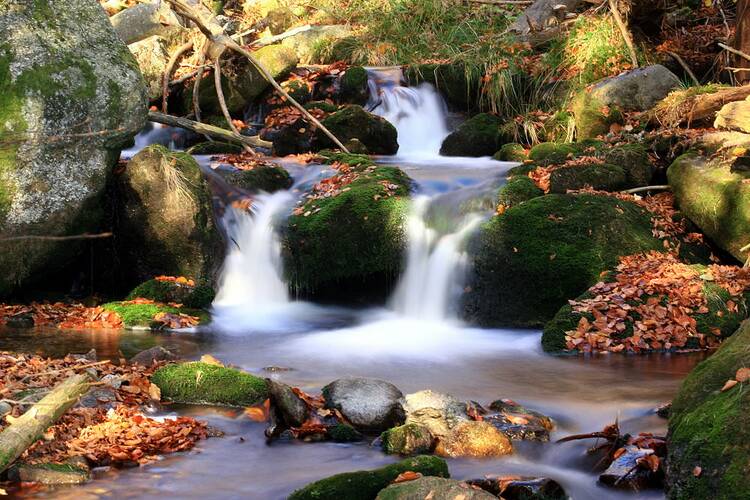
(728, 385)
(407, 476)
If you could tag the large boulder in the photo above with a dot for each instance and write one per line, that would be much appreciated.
(369, 404)
(165, 219)
(307, 44)
(71, 97)
(434, 488)
(734, 116)
(715, 198)
(477, 136)
(709, 427)
(152, 55)
(530, 260)
(352, 122)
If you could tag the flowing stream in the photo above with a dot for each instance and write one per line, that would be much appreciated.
(416, 342)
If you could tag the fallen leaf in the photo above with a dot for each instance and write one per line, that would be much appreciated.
(728, 385)
(742, 375)
(697, 470)
(407, 476)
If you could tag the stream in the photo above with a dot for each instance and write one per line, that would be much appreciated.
(416, 341)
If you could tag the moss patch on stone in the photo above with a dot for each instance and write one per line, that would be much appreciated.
(590, 120)
(480, 135)
(551, 152)
(261, 178)
(366, 485)
(353, 85)
(511, 152)
(197, 297)
(203, 383)
(518, 189)
(710, 429)
(142, 315)
(350, 122)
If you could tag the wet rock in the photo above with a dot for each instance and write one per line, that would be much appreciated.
(20, 321)
(352, 86)
(434, 488)
(343, 433)
(367, 484)
(99, 397)
(734, 116)
(437, 412)
(518, 422)
(477, 136)
(49, 474)
(522, 488)
(377, 134)
(165, 209)
(664, 409)
(474, 439)
(289, 407)
(290, 138)
(408, 439)
(625, 473)
(153, 355)
(369, 404)
(67, 76)
(261, 178)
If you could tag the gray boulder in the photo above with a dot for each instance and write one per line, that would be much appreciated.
(152, 56)
(71, 97)
(434, 488)
(369, 404)
(306, 44)
(734, 116)
(436, 411)
(636, 90)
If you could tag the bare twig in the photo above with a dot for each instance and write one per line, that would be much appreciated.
(624, 31)
(660, 187)
(684, 66)
(208, 130)
(734, 51)
(262, 42)
(85, 236)
(168, 73)
(220, 95)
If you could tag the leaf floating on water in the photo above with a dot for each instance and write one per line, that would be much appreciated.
(259, 413)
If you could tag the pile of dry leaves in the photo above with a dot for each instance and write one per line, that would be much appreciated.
(651, 304)
(62, 315)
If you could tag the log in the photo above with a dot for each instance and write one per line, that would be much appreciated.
(700, 108)
(29, 427)
(144, 20)
(209, 130)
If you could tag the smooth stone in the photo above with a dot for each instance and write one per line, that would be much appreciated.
(290, 408)
(522, 488)
(434, 488)
(624, 474)
(474, 439)
(153, 355)
(369, 404)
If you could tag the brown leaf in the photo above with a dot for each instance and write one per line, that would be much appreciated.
(728, 385)
(742, 375)
(407, 476)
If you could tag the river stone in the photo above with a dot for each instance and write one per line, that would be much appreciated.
(518, 422)
(290, 407)
(734, 116)
(434, 488)
(306, 44)
(636, 90)
(436, 411)
(49, 474)
(480, 135)
(166, 217)
(152, 56)
(369, 404)
(474, 439)
(63, 73)
(378, 135)
(153, 355)
(521, 488)
(623, 472)
(408, 439)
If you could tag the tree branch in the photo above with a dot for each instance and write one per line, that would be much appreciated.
(209, 130)
(624, 31)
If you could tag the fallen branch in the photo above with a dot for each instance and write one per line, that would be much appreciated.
(208, 130)
(624, 31)
(684, 65)
(697, 108)
(85, 236)
(168, 73)
(734, 51)
(24, 431)
(144, 20)
(269, 40)
(660, 187)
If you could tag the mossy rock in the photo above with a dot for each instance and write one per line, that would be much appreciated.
(195, 297)
(634, 160)
(433, 488)
(408, 439)
(261, 178)
(322, 105)
(710, 428)
(215, 147)
(719, 321)
(518, 189)
(459, 87)
(141, 316)
(165, 217)
(590, 119)
(599, 176)
(49, 474)
(352, 237)
(551, 152)
(366, 485)
(203, 383)
(352, 122)
(529, 261)
(63, 71)
(298, 89)
(277, 59)
(716, 199)
(353, 86)
(480, 135)
(511, 152)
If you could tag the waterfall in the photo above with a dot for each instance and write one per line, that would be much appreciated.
(434, 266)
(418, 113)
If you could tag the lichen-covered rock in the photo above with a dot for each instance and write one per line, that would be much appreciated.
(434, 488)
(734, 116)
(353, 237)
(634, 160)
(152, 57)
(165, 217)
(511, 152)
(369, 404)
(203, 383)
(709, 428)
(306, 44)
(408, 439)
(636, 90)
(49, 474)
(477, 136)
(366, 485)
(592, 117)
(261, 178)
(187, 294)
(436, 411)
(474, 439)
(350, 122)
(537, 255)
(715, 198)
(69, 83)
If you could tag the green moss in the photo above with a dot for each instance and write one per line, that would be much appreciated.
(407, 439)
(634, 160)
(353, 85)
(511, 152)
(366, 485)
(596, 175)
(142, 315)
(197, 297)
(352, 159)
(261, 178)
(710, 429)
(343, 433)
(550, 152)
(321, 105)
(719, 320)
(298, 89)
(354, 235)
(517, 190)
(589, 117)
(480, 135)
(202, 383)
(529, 261)
(350, 122)
(215, 147)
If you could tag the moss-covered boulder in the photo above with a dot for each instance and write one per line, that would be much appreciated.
(715, 198)
(408, 439)
(434, 488)
(366, 485)
(480, 135)
(261, 178)
(203, 383)
(633, 159)
(530, 260)
(179, 291)
(709, 428)
(592, 117)
(511, 152)
(215, 147)
(352, 122)
(136, 315)
(352, 86)
(551, 152)
(459, 87)
(71, 96)
(165, 218)
(600, 176)
(350, 238)
(518, 189)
